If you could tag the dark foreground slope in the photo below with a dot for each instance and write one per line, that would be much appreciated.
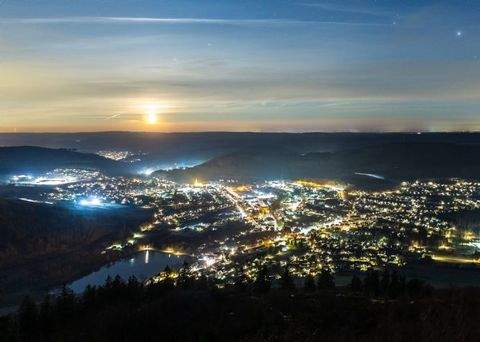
(196, 311)
(43, 246)
(396, 162)
(31, 159)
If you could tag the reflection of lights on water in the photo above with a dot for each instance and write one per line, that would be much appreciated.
(147, 256)
(171, 251)
(142, 248)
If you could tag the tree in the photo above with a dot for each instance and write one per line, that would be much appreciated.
(133, 283)
(371, 284)
(325, 280)
(89, 296)
(203, 283)
(356, 284)
(66, 303)
(28, 318)
(417, 288)
(167, 270)
(395, 289)
(185, 279)
(309, 283)
(385, 281)
(168, 282)
(262, 282)
(46, 319)
(241, 281)
(286, 280)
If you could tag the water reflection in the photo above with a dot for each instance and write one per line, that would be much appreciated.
(142, 265)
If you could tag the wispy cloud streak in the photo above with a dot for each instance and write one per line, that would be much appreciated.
(335, 7)
(180, 21)
(114, 116)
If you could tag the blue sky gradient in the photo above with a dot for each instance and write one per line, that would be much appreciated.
(239, 65)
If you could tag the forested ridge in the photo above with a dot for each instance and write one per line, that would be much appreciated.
(42, 245)
(34, 159)
(379, 307)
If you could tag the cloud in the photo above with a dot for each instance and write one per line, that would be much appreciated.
(114, 116)
(380, 80)
(178, 21)
(339, 7)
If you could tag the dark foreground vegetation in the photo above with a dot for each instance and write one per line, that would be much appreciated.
(380, 307)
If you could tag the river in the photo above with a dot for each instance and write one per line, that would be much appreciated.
(141, 265)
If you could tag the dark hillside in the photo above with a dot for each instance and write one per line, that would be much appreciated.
(42, 246)
(395, 162)
(31, 159)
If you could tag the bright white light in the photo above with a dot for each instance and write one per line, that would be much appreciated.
(147, 172)
(152, 110)
(92, 201)
(209, 261)
(152, 118)
(43, 180)
(20, 178)
(54, 181)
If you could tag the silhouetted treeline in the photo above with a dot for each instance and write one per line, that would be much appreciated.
(381, 306)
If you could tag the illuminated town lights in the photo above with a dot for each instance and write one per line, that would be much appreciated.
(208, 261)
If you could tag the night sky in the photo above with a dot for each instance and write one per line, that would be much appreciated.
(306, 65)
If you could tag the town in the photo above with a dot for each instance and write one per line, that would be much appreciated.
(230, 231)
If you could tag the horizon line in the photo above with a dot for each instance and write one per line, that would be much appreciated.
(249, 132)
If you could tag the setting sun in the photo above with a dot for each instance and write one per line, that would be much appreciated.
(152, 110)
(152, 118)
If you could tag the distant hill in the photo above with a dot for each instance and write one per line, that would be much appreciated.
(31, 159)
(163, 150)
(394, 162)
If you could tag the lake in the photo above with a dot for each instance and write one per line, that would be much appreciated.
(142, 265)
